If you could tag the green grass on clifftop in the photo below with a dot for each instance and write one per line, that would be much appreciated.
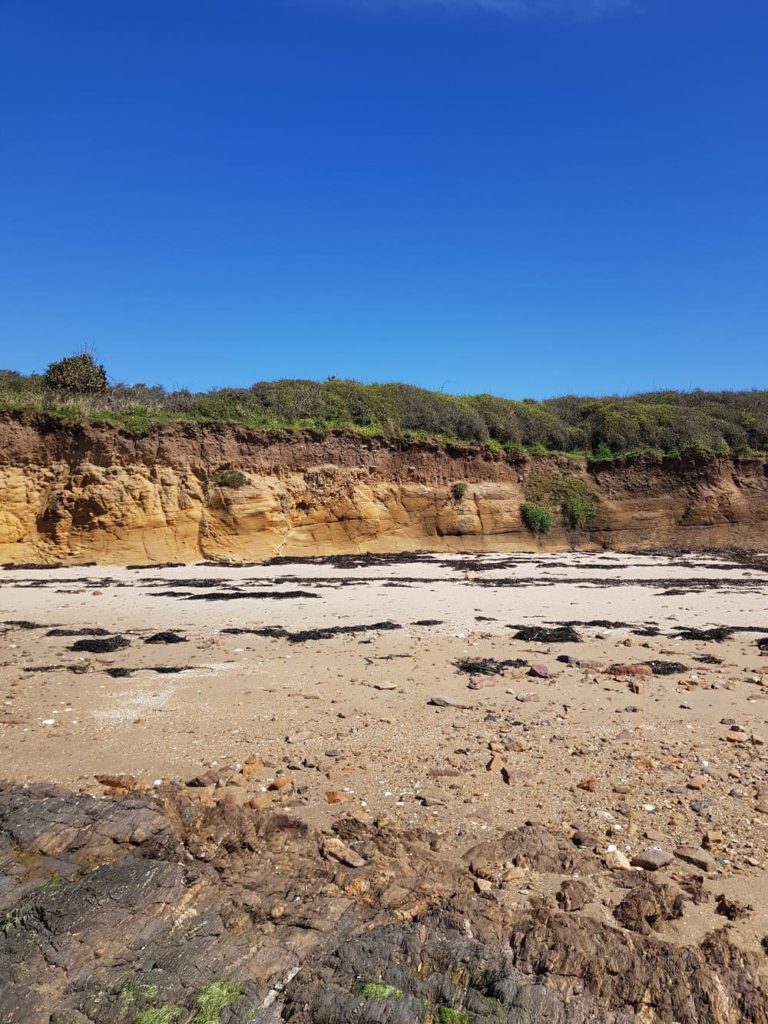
(655, 425)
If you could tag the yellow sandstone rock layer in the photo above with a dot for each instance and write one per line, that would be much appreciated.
(72, 493)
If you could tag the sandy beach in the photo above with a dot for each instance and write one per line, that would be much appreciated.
(410, 713)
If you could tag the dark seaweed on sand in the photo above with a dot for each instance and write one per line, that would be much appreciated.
(666, 668)
(164, 670)
(105, 646)
(545, 635)
(331, 631)
(762, 643)
(239, 595)
(708, 659)
(717, 633)
(31, 565)
(42, 565)
(488, 666)
(158, 565)
(166, 637)
(356, 561)
(600, 623)
(85, 631)
(427, 622)
(275, 632)
(649, 629)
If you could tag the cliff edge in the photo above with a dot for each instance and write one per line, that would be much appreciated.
(93, 492)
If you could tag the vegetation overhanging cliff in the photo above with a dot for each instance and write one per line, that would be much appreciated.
(654, 424)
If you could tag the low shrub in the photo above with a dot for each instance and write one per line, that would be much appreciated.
(577, 502)
(232, 478)
(458, 491)
(537, 518)
(80, 374)
(569, 495)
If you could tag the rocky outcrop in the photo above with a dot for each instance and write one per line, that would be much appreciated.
(150, 908)
(71, 493)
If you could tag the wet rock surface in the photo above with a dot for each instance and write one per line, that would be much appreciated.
(166, 906)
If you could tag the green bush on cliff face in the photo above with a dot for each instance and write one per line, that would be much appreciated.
(536, 518)
(232, 478)
(458, 491)
(577, 502)
(569, 494)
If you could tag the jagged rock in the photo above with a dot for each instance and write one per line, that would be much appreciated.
(574, 894)
(533, 847)
(646, 905)
(124, 783)
(731, 908)
(333, 847)
(154, 900)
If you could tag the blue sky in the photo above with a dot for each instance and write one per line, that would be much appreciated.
(527, 197)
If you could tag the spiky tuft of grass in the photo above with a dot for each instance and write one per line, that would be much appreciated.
(213, 998)
(378, 990)
(167, 1014)
(446, 1015)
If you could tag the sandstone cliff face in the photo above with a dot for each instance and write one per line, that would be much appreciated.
(80, 493)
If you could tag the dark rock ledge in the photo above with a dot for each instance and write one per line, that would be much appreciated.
(158, 909)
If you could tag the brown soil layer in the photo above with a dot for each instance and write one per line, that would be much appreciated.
(74, 493)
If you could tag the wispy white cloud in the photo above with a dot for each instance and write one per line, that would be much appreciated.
(512, 8)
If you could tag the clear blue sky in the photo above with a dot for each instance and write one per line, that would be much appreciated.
(527, 197)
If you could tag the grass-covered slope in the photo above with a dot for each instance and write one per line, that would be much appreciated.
(658, 423)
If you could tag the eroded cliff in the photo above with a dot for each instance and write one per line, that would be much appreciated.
(71, 493)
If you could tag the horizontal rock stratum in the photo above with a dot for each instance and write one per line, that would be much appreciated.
(82, 492)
